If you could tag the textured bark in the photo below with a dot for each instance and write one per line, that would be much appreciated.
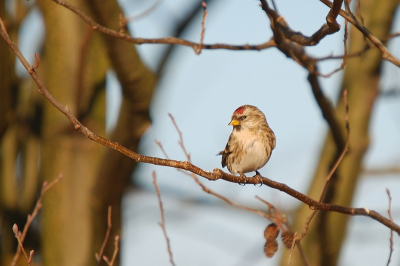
(66, 215)
(138, 84)
(323, 242)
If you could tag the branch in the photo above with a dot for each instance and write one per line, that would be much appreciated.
(109, 225)
(332, 15)
(167, 40)
(328, 111)
(21, 236)
(17, 235)
(116, 249)
(162, 223)
(215, 175)
(182, 24)
(391, 231)
(203, 28)
(386, 55)
(297, 37)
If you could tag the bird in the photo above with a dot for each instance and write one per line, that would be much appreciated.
(251, 142)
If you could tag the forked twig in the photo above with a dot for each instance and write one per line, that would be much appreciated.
(17, 235)
(116, 249)
(21, 236)
(109, 225)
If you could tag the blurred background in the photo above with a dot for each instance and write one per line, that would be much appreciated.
(116, 89)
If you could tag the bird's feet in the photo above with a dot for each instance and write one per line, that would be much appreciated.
(244, 177)
(260, 179)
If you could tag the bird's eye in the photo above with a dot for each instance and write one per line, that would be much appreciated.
(244, 117)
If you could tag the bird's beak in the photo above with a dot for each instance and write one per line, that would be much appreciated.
(234, 123)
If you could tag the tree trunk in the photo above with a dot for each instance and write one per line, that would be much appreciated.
(73, 67)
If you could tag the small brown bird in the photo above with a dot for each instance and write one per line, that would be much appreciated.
(251, 142)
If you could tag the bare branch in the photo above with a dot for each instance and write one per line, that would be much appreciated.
(109, 225)
(279, 23)
(21, 236)
(162, 223)
(116, 249)
(168, 40)
(386, 55)
(332, 15)
(391, 231)
(203, 28)
(17, 235)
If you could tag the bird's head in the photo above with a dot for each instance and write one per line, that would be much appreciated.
(247, 117)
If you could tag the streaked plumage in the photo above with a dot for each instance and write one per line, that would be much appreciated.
(251, 142)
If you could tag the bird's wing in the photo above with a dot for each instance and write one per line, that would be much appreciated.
(225, 153)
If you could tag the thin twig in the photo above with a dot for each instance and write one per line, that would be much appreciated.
(109, 225)
(114, 256)
(17, 235)
(203, 28)
(46, 186)
(340, 57)
(275, 216)
(180, 138)
(292, 247)
(391, 231)
(36, 65)
(168, 40)
(344, 58)
(162, 223)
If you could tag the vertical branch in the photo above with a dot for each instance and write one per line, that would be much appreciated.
(109, 225)
(162, 223)
(391, 231)
(203, 28)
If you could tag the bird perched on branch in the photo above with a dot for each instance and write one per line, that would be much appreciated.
(251, 142)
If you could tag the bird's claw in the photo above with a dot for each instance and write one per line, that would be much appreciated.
(260, 179)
